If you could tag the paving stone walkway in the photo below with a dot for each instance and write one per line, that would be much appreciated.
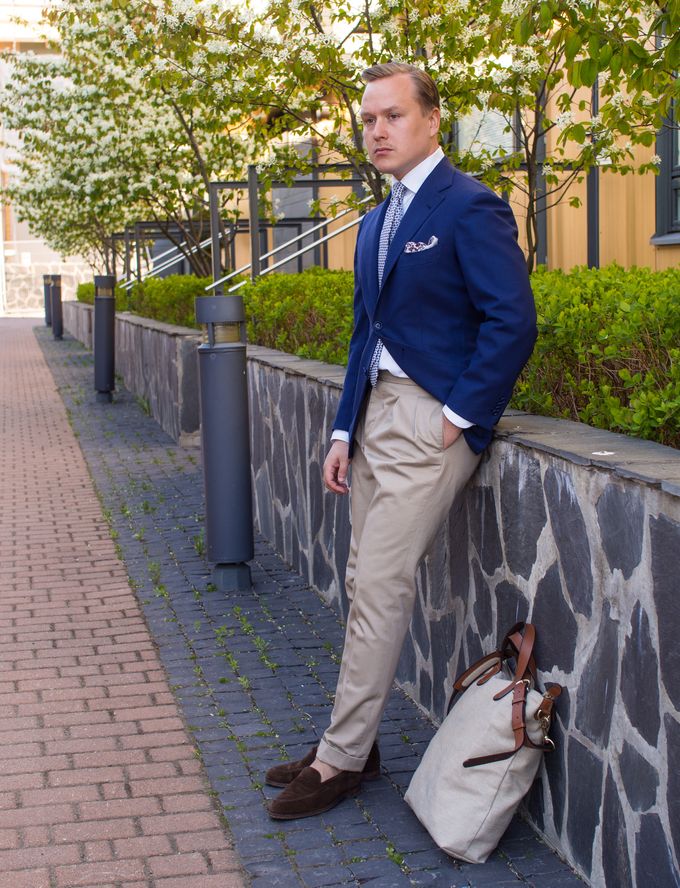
(100, 785)
(254, 672)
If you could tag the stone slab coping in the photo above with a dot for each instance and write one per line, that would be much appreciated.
(625, 456)
(170, 329)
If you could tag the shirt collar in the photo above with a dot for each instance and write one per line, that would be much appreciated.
(415, 177)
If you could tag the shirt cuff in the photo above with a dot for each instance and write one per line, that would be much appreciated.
(455, 419)
(340, 435)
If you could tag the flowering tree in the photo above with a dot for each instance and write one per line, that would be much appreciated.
(196, 89)
(530, 63)
(69, 186)
(112, 133)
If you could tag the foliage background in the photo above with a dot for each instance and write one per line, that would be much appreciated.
(608, 351)
(153, 99)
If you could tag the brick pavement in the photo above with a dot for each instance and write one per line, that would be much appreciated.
(254, 674)
(100, 785)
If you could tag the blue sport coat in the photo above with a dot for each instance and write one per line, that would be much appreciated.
(458, 318)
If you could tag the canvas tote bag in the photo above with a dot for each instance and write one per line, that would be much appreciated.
(483, 759)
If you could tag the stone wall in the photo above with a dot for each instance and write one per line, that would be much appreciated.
(25, 292)
(575, 529)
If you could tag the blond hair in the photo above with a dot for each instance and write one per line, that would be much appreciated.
(427, 93)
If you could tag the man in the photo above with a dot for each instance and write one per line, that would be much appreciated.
(444, 323)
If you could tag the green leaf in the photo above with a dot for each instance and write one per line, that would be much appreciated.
(572, 45)
(588, 72)
(574, 74)
(578, 133)
(545, 15)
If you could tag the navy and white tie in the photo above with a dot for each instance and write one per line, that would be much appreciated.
(395, 211)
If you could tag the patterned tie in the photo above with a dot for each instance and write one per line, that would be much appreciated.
(395, 211)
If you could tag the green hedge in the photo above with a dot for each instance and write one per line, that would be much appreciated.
(307, 314)
(608, 351)
(85, 293)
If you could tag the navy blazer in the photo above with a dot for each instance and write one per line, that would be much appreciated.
(458, 318)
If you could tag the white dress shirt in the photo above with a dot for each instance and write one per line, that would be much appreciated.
(412, 181)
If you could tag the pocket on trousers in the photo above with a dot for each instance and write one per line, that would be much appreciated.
(429, 426)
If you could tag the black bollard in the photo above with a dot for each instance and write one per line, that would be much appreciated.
(57, 318)
(47, 288)
(225, 439)
(104, 336)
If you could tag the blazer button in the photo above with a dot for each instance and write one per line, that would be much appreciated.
(378, 325)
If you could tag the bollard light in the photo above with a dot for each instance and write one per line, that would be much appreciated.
(47, 290)
(225, 439)
(104, 336)
(55, 301)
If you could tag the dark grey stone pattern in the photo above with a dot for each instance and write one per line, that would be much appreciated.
(254, 673)
(573, 528)
(589, 558)
(621, 516)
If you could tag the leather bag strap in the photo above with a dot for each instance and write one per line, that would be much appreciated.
(518, 644)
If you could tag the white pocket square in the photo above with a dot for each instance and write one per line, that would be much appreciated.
(419, 246)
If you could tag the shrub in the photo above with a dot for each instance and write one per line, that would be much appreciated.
(307, 314)
(608, 351)
(169, 299)
(85, 293)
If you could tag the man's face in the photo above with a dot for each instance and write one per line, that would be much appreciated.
(398, 134)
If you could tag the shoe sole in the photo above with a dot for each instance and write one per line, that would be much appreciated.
(279, 784)
(347, 795)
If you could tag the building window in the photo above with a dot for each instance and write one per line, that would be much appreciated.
(668, 184)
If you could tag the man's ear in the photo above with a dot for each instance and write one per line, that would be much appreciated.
(434, 121)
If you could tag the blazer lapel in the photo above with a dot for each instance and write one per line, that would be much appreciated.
(427, 199)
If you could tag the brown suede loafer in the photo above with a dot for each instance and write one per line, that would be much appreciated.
(308, 794)
(284, 774)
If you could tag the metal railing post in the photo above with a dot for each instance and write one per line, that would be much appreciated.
(104, 336)
(254, 212)
(47, 291)
(57, 317)
(593, 196)
(213, 196)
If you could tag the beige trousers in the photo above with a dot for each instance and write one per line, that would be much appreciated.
(403, 485)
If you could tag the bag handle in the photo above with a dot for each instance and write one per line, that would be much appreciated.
(519, 728)
(517, 644)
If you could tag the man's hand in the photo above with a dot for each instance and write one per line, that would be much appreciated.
(451, 432)
(335, 467)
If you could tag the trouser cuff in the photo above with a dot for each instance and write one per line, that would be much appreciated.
(332, 756)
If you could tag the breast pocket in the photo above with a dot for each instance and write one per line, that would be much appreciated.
(420, 257)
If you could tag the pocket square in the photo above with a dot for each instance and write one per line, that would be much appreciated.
(419, 246)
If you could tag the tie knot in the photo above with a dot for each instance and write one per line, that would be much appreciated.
(398, 190)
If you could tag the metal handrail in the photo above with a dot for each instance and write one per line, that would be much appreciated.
(174, 259)
(293, 240)
(175, 253)
(130, 282)
(306, 249)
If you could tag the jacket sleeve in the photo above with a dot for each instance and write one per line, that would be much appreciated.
(497, 281)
